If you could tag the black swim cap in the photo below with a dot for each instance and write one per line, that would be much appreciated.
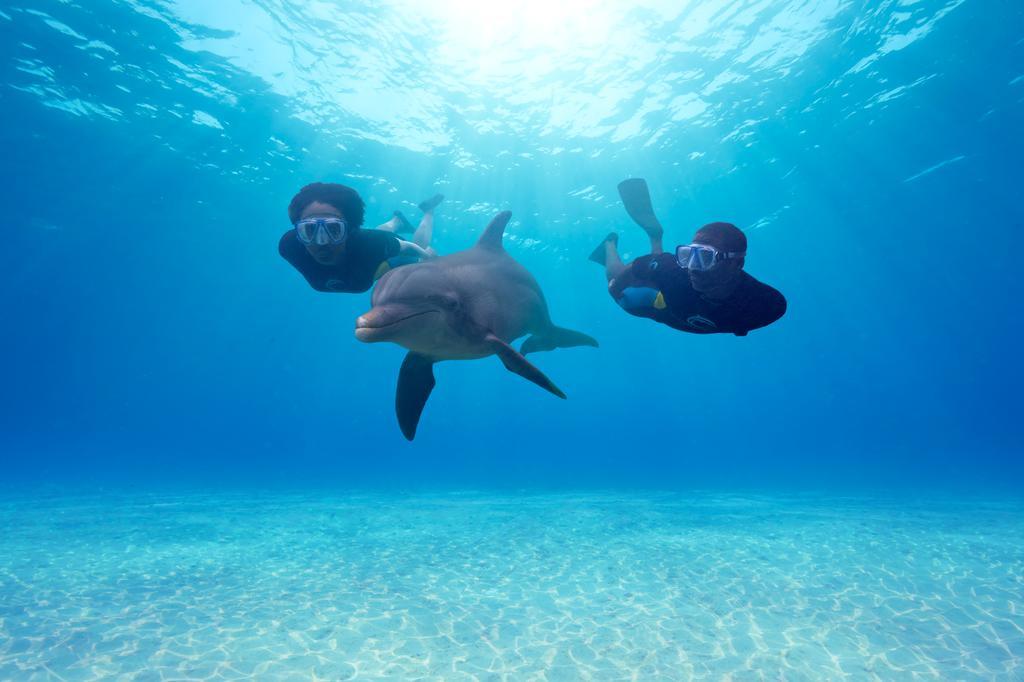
(341, 197)
(722, 236)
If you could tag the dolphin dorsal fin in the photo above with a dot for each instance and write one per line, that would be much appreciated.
(491, 237)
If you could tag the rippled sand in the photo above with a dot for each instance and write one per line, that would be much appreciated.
(478, 586)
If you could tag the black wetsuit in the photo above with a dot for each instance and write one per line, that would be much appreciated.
(366, 256)
(656, 287)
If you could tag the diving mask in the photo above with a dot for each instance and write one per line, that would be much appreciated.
(321, 230)
(703, 257)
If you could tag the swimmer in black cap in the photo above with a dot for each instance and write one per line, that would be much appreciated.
(700, 288)
(331, 249)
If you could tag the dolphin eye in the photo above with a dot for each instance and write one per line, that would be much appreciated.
(447, 302)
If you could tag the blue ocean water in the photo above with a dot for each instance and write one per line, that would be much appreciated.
(201, 473)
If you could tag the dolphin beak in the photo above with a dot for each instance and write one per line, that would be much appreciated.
(388, 323)
(365, 325)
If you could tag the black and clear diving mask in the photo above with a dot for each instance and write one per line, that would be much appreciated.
(703, 257)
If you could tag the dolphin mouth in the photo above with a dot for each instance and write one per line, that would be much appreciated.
(366, 330)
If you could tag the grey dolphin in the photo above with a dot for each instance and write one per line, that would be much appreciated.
(464, 306)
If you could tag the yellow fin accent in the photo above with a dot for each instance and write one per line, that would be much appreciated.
(384, 267)
(659, 302)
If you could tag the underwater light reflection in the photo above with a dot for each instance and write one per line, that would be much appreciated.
(529, 38)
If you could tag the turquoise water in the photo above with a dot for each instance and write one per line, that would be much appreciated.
(837, 495)
(465, 586)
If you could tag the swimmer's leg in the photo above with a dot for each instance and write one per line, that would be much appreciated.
(607, 254)
(655, 238)
(425, 232)
(398, 223)
(637, 200)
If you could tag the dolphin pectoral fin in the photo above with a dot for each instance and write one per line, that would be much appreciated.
(514, 362)
(415, 382)
(637, 200)
(556, 337)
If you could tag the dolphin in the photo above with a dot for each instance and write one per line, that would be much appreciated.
(464, 306)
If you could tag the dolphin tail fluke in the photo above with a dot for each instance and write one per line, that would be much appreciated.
(516, 363)
(415, 382)
(556, 337)
(637, 200)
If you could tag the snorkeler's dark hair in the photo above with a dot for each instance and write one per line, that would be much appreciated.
(341, 197)
(722, 236)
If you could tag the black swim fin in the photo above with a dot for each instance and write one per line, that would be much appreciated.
(516, 363)
(403, 224)
(598, 254)
(556, 337)
(415, 382)
(637, 200)
(431, 203)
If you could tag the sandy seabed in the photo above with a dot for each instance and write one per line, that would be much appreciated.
(485, 586)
